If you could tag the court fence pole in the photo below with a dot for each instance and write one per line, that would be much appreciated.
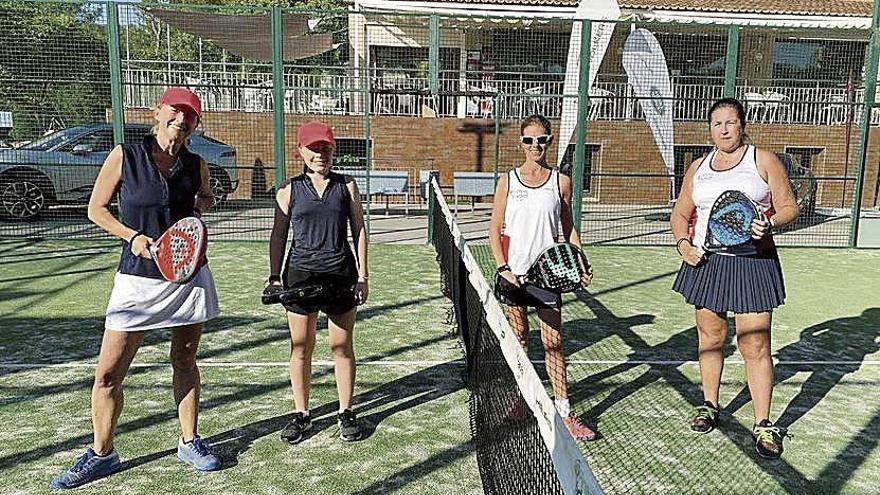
(730, 65)
(865, 123)
(580, 146)
(497, 156)
(116, 102)
(367, 84)
(278, 95)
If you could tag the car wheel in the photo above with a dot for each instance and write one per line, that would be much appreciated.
(22, 198)
(220, 184)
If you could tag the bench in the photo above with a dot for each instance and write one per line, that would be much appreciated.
(473, 184)
(382, 182)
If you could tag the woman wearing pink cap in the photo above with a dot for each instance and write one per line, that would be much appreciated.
(159, 181)
(320, 206)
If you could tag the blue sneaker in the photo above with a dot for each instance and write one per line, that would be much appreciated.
(198, 454)
(88, 467)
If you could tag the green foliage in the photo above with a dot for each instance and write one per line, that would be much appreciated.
(54, 66)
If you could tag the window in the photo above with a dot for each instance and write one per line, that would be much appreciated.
(824, 60)
(350, 153)
(590, 157)
(806, 157)
(693, 54)
(96, 142)
(684, 156)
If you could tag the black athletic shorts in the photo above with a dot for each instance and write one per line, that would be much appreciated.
(342, 300)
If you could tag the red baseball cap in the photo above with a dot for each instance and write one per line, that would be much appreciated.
(182, 96)
(314, 132)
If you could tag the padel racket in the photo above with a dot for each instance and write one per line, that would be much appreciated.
(729, 228)
(560, 268)
(180, 251)
(307, 293)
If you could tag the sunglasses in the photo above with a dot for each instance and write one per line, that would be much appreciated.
(542, 139)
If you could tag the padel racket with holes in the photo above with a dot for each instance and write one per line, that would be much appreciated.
(180, 251)
(559, 268)
(729, 228)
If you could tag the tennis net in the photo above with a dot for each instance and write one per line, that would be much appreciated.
(521, 442)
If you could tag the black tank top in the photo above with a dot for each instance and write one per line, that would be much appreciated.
(320, 226)
(150, 202)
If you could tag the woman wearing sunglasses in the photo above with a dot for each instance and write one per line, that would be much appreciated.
(531, 201)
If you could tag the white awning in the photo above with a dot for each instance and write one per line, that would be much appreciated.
(520, 12)
(762, 20)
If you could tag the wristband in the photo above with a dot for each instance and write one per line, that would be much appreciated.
(678, 245)
(503, 268)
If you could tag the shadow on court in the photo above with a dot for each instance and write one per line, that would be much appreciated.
(828, 351)
(845, 339)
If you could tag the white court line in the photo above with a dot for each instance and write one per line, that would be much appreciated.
(270, 364)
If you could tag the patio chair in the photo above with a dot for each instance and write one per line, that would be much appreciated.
(775, 102)
(754, 103)
(835, 111)
(599, 99)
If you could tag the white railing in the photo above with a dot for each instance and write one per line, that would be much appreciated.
(340, 90)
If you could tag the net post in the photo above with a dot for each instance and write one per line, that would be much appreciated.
(580, 143)
(430, 212)
(865, 122)
(115, 72)
(367, 85)
(278, 95)
(732, 60)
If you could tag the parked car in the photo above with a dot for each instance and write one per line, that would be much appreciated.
(61, 168)
(803, 183)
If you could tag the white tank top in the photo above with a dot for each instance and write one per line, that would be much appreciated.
(710, 183)
(531, 219)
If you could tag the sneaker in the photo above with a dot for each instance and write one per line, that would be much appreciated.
(88, 467)
(198, 454)
(705, 418)
(579, 430)
(768, 439)
(349, 427)
(295, 431)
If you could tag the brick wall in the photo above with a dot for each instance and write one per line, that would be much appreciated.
(447, 145)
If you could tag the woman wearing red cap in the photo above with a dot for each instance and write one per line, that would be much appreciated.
(159, 182)
(320, 205)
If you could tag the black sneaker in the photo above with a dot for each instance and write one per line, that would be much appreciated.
(295, 431)
(768, 439)
(349, 428)
(705, 418)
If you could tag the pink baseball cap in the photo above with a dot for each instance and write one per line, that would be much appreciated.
(314, 132)
(182, 96)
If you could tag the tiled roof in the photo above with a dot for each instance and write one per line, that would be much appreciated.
(858, 8)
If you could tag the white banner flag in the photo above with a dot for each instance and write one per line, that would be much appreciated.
(601, 37)
(648, 75)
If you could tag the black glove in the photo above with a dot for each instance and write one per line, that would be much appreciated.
(272, 293)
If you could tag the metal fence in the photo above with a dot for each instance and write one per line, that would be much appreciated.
(410, 95)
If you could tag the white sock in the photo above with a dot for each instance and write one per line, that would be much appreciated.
(563, 407)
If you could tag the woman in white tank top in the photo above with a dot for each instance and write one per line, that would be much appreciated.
(531, 202)
(749, 286)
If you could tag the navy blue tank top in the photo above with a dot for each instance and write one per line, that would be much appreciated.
(150, 202)
(320, 226)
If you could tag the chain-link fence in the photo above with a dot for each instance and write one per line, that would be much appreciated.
(410, 95)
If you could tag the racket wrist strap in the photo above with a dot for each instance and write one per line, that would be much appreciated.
(503, 268)
(678, 244)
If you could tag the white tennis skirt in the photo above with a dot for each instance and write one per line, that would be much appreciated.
(142, 303)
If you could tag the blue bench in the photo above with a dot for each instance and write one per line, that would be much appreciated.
(473, 184)
(382, 183)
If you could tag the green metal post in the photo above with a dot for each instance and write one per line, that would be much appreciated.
(430, 210)
(278, 95)
(732, 60)
(580, 143)
(434, 55)
(115, 72)
(865, 122)
(497, 159)
(368, 129)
